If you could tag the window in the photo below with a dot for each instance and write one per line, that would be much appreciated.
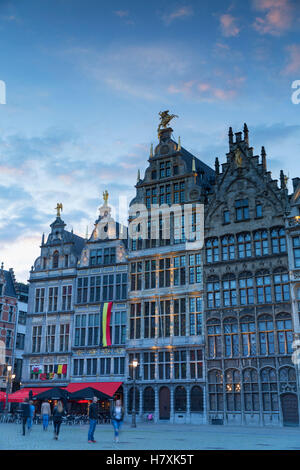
(278, 240)
(149, 319)
(135, 321)
(149, 366)
(180, 399)
(195, 315)
(228, 248)
(91, 366)
(215, 390)
(178, 191)
(121, 286)
(244, 245)
(64, 332)
(11, 314)
(164, 272)
(261, 243)
(226, 217)
(55, 260)
(241, 209)
(80, 330)
(195, 269)
(96, 257)
(258, 210)
(248, 331)
(296, 250)
(284, 334)
(8, 340)
(212, 250)
(269, 389)
(214, 338)
(197, 403)
(131, 368)
(213, 293)
(263, 287)
(78, 366)
(50, 338)
(93, 329)
(233, 390)
(281, 287)
(179, 316)
(53, 294)
(150, 274)
(251, 391)
(105, 366)
(165, 169)
(179, 270)
(229, 292)
(164, 318)
(108, 287)
(21, 317)
(119, 365)
(149, 399)
(120, 320)
(95, 286)
(39, 299)
(246, 289)
(137, 400)
(179, 365)
(196, 364)
(231, 338)
(82, 289)
(36, 339)
(136, 276)
(164, 365)
(151, 197)
(266, 335)
(109, 255)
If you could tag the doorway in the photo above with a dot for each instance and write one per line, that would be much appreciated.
(289, 406)
(164, 403)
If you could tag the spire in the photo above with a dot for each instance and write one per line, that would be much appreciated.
(217, 166)
(282, 180)
(194, 169)
(179, 144)
(87, 232)
(246, 134)
(230, 137)
(151, 150)
(43, 239)
(263, 158)
(138, 176)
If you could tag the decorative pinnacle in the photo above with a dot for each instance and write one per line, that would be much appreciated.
(105, 197)
(138, 176)
(58, 208)
(151, 150)
(179, 144)
(193, 166)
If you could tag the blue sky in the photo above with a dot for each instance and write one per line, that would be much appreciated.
(85, 81)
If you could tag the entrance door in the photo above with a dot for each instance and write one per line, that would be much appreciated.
(289, 405)
(164, 403)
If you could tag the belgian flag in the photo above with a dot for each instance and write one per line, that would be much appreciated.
(106, 316)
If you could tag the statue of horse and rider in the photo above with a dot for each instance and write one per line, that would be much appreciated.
(165, 118)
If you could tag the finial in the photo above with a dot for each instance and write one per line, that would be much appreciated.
(105, 197)
(87, 232)
(43, 239)
(194, 165)
(282, 180)
(151, 150)
(217, 166)
(59, 208)
(263, 158)
(230, 134)
(179, 144)
(246, 133)
(138, 176)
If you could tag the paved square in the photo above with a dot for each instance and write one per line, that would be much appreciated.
(150, 436)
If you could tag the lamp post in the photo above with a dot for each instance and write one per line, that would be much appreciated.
(9, 378)
(134, 365)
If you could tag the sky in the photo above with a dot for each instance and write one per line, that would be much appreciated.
(85, 81)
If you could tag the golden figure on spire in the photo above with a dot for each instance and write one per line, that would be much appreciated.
(59, 208)
(238, 158)
(105, 197)
(165, 118)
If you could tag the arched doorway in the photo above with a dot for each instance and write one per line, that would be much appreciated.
(289, 406)
(164, 403)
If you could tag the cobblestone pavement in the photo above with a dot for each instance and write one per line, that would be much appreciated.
(150, 436)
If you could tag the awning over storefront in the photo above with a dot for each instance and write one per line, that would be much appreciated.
(109, 388)
(2, 396)
(19, 396)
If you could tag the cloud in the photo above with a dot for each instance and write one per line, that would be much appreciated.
(293, 65)
(228, 25)
(122, 13)
(277, 17)
(180, 13)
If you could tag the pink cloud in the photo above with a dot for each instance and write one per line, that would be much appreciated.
(277, 19)
(182, 12)
(208, 92)
(228, 25)
(294, 59)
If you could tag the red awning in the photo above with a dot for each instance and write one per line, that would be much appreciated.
(2, 396)
(19, 396)
(109, 388)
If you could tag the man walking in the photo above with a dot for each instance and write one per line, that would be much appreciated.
(93, 415)
(25, 413)
(46, 413)
(32, 413)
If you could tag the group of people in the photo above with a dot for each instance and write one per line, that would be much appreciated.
(28, 412)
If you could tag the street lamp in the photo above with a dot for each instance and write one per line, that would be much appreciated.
(134, 365)
(9, 377)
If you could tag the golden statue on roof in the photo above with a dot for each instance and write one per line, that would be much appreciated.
(105, 197)
(59, 208)
(165, 118)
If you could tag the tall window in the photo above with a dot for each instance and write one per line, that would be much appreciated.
(149, 366)
(121, 286)
(244, 245)
(64, 333)
(91, 366)
(78, 366)
(36, 339)
(66, 298)
(53, 294)
(278, 240)
(196, 364)
(214, 338)
(95, 286)
(261, 243)
(269, 389)
(226, 217)
(82, 289)
(246, 289)
(55, 260)
(258, 210)
(251, 391)
(164, 365)
(109, 255)
(228, 248)
(135, 321)
(93, 329)
(80, 330)
(149, 319)
(136, 275)
(179, 317)
(150, 274)
(195, 315)
(212, 250)
(231, 338)
(120, 320)
(149, 399)
(263, 287)
(233, 390)
(179, 270)
(39, 299)
(108, 287)
(50, 338)
(20, 342)
(180, 399)
(195, 269)
(213, 293)
(266, 335)
(229, 291)
(284, 333)
(197, 399)
(248, 336)
(178, 191)
(105, 365)
(119, 365)
(215, 390)
(164, 318)
(241, 209)
(281, 287)
(296, 251)
(8, 339)
(96, 257)
(179, 365)
(164, 272)
(11, 314)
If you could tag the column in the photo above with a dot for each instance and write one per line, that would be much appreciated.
(156, 411)
(172, 412)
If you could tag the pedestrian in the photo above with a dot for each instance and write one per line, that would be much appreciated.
(25, 413)
(58, 413)
(117, 415)
(32, 413)
(46, 413)
(93, 415)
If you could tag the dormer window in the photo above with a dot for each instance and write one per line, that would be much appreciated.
(226, 217)
(55, 260)
(258, 210)
(241, 209)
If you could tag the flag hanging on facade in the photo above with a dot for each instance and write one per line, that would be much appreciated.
(106, 316)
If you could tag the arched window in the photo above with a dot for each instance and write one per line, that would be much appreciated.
(269, 389)
(250, 388)
(261, 243)
(278, 240)
(137, 400)
(149, 399)
(248, 331)
(228, 247)
(246, 288)
(229, 290)
(231, 338)
(55, 259)
(215, 390)
(233, 390)
(212, 250)
(196, 399)
(244, 245)
(284, 333)
(213, 292)
(263, 287)
(214, 338)
(180, 399)
(266, 335)
(287, 379)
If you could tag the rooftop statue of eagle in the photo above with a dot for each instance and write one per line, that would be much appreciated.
(165, 118)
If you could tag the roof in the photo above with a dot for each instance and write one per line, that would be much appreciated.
(9, 286)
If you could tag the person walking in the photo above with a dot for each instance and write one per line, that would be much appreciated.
(46, 413)
(93, 415)
(25, 408)
(58, 413)
(32, 413)
(117, 416)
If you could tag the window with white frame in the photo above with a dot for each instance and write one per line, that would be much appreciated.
(39, 299)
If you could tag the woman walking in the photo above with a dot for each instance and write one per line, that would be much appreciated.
(46, 413)
(58, 413)
(117, 415)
